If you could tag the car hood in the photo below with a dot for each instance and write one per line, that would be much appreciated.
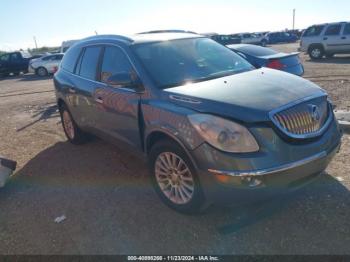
(247, 97)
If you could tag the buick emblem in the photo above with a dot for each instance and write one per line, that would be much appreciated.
(314, 112)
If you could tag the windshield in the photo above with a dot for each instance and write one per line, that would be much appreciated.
(26, 54)
(177, 62)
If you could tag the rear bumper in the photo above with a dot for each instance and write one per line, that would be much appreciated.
(295, 70)
(243, 187)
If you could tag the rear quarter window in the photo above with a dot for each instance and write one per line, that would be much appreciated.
(70, 59)
(347, 29)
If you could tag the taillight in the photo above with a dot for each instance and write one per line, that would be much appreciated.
(275, 64)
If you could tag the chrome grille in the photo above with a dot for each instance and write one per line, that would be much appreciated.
(306, 118)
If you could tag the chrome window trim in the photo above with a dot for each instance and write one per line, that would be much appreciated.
(184, 99)
(272, 170)
(300, 101)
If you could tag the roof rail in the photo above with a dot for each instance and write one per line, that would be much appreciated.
(119, 37)
(166, 31)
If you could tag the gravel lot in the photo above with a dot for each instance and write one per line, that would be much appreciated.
(110, 207)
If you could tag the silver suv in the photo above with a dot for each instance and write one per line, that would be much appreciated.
(326, 40)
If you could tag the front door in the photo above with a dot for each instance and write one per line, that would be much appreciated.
(4, 63)
(117, 108)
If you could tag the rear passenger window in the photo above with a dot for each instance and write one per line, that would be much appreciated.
(89, 62)
(114, 61)
(347, 29)
(333, 30)
(314, 30)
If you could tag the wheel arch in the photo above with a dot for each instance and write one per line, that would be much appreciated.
(60, 103)
(157, 135)
(315, 44)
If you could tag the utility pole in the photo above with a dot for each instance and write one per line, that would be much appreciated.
(36, 45)
(293, 19)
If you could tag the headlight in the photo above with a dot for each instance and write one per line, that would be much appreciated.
(223, 134)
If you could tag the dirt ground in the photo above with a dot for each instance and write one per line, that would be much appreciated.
(110, 207)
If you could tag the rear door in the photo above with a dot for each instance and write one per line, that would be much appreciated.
(332, 38)
(346, 38)
(117, 107)
(84, 86)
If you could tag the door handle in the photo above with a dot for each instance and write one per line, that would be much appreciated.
(344, 37)
(325, 38)
(99, 100)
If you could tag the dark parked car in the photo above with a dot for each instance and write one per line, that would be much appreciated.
(15, 63)
(213, 128)
(226, 39)
(280, 37)
(265, 57)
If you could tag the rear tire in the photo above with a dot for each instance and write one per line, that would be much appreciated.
(174, 178)
(73, 133)
(41, 71)
(316, 52)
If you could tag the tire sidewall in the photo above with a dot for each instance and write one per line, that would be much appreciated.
(41, 68)
(321, 52)
(78, 136)
(194, 205)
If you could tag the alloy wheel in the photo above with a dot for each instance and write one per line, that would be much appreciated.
(42, 71)
(68, 124)
(316, 52)
(174, 178)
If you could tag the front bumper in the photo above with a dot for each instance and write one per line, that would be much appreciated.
(238, 179)
(31, 69)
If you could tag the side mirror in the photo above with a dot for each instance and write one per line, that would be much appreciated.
(123, 79)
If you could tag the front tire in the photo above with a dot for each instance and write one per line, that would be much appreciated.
(174, 178)
(316, 52)
(73, 133)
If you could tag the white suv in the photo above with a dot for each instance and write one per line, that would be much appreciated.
(326, 40)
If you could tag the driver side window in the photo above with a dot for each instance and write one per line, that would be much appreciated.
(5, 58)
(114, 61)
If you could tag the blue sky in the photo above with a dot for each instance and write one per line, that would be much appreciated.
(55, 21)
